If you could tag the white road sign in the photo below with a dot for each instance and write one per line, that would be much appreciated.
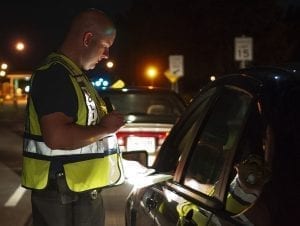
(243, 48)
(176, 65)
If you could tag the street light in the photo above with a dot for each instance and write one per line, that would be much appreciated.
(20, 46)
(212, 78)
(151, 72)
(2, 73)
(110, 64)
(4, 66)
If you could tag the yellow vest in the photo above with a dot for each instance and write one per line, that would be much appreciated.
(93, 166)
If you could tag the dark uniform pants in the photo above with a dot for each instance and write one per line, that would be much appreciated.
(49, 210)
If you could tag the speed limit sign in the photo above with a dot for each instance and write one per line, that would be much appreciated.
(243, 48)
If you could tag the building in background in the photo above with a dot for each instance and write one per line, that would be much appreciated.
(14, 87)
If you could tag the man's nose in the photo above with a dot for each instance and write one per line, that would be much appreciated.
(105, 54)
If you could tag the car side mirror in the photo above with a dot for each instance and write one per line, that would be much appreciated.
(139, 156)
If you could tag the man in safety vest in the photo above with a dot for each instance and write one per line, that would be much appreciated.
(70, 149)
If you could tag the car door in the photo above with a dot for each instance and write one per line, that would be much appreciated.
(151, 205)
(207, 139)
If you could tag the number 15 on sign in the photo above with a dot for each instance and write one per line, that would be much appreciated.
(243, 48)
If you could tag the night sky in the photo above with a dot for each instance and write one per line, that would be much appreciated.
(151, 30)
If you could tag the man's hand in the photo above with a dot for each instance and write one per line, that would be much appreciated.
(112, 122)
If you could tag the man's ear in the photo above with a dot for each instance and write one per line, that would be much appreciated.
(87, 37)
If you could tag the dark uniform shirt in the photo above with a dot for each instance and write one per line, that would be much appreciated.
(52, 91)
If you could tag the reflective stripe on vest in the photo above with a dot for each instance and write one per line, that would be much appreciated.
(97, 165)
(101, 146)
(237, 199)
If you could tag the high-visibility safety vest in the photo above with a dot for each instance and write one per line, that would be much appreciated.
(237, 199)
(93, 166)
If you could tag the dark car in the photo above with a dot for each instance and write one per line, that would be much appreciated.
(231, 159)
(150, 113)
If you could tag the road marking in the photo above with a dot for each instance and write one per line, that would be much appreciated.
(15, 197)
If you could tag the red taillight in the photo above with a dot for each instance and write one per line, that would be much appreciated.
(162, 138)
(121, 141)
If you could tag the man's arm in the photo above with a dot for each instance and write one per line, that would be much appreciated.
(60, 132)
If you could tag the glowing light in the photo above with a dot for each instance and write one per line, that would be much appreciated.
(151, 72)
(109, 64)
(2, 73)
(131, 118)
(212, 78)
(100, 83)
(4, 66)
(105, 83)
(20, 46)
(27, 89)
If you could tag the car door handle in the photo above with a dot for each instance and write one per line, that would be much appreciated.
(187, 220)
(151, 203)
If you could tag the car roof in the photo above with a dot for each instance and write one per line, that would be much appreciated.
(269, 74)
(262, 80)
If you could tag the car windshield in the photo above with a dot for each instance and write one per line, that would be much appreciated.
(155, 104)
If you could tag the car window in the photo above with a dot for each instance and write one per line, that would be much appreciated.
(248, 158)
(182, 136)
(146, 103)
(215, 143)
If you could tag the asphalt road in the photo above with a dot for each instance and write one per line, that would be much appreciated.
(15, 207)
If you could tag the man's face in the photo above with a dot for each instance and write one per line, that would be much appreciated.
(97, 50)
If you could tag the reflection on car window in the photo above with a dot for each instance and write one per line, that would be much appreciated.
(216, 141)
(183, 136)
(196, 118)
(249, 152)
